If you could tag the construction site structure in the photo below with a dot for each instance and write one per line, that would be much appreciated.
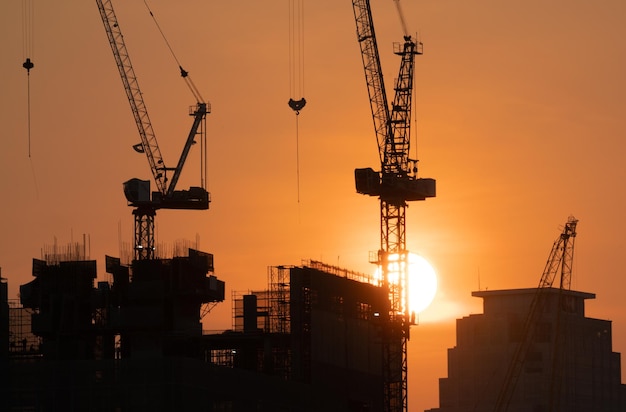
(534, 349)
(137, 191)
(395, 185)
(312, 341)
(80, 331)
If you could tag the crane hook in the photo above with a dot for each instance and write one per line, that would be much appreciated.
(297, 105)
(28, 64)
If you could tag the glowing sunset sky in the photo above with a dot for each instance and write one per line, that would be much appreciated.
(520, 112)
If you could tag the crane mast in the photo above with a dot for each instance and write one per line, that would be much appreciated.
(137, 191)
(559, 264)
(394, 185)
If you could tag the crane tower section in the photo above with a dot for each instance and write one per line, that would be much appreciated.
(395, 184)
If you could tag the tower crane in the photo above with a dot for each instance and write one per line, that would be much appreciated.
(137, 191)
(395, 185)
(559, 264)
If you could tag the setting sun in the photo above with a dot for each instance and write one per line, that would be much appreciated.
(422, 283)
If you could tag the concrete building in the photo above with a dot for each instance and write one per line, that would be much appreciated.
(567, 363)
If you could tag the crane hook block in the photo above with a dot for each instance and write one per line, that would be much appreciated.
(297, 105)
(28, 64)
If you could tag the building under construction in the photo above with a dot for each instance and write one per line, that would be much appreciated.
(311, 342)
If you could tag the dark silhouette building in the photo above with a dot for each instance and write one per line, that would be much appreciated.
(568, 364)
(310, 342)
(318, 329)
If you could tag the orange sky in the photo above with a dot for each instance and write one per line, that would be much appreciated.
(520, 109)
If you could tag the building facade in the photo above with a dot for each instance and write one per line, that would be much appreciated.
(555, 360)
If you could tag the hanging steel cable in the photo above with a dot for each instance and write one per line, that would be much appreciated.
(296, 55)
(28, 17)
(296, 71)
(183, 73)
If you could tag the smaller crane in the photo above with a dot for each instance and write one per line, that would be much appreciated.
(137, 191)
(559, 264)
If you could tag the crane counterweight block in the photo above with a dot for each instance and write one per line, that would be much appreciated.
(137, 191)
(415, 188)
(395, 189)
(195, 198)
(367, 181)
(138, 194)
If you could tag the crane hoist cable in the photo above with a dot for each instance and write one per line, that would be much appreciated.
(190, 84)
(183, 73)
(405, 31)
(296, 55)
(28, 17)
(296, 71)
(297, 158)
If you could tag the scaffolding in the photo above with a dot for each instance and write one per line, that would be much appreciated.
(341, 272)
(223, 357)
(23, 344)
(279, 317)
(263, 310)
